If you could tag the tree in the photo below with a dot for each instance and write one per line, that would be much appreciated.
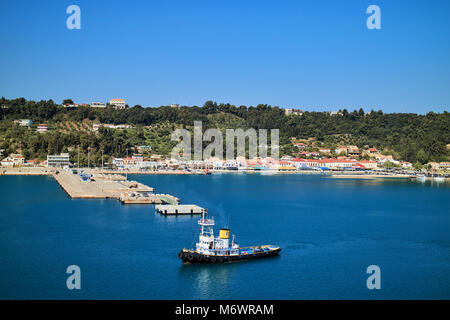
(389, 165)
(418, 166)
(67, 101)
(422, 156)
(361, 112)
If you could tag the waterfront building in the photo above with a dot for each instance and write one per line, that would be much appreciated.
(137, 157)
(117, 103)
(434, 165)
(241, 162)
(13, 160)
(368, 164)
(118, 162)
(335, 163)
(406, 165)
(7, 162)
(147, 164)
(31, 162)
(128, 162)
(312, 163)
(299, 163)
(444, 165)
(285, 166)
(60, 160)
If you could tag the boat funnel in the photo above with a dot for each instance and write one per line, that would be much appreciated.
(224, 234)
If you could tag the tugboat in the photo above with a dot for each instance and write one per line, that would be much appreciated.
(210, 249)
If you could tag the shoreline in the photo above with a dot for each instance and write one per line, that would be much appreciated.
(42, 171)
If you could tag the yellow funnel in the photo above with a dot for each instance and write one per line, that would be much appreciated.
(224, 234)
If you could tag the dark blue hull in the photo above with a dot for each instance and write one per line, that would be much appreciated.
(189, 256)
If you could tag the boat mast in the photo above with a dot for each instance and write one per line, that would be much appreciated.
(204, 222)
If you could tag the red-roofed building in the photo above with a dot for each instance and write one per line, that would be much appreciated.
(42, 127)
(368, 164)
(117, 103)
(128, 161)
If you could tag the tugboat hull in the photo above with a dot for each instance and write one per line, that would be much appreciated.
(191, 257)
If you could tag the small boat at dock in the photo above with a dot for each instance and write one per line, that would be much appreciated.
(210, 249)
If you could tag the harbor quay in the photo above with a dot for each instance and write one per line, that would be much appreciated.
(89, 185)
(25, 171)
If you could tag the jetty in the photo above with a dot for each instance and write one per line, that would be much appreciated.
(147, 198)
(182, 209)
(109, 186)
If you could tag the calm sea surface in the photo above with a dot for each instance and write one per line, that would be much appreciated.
(330, 231)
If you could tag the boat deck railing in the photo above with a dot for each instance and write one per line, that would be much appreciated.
(208, 222)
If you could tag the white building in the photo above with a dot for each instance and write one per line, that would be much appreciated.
(13, 160)
(118, 162)
(42, 128)
(147, 164)
(98, 105)
(117, 103)
(60, 160)
(7, 162)
(297, 112)
(24, 122)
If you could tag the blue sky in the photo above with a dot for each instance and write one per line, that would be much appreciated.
(313, 55)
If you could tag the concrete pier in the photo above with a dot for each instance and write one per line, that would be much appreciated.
(182, 209)
(147, 198)
(113, 186)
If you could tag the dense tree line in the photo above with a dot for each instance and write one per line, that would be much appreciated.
(413, 137)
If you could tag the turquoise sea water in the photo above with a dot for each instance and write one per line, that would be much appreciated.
(330, 231)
